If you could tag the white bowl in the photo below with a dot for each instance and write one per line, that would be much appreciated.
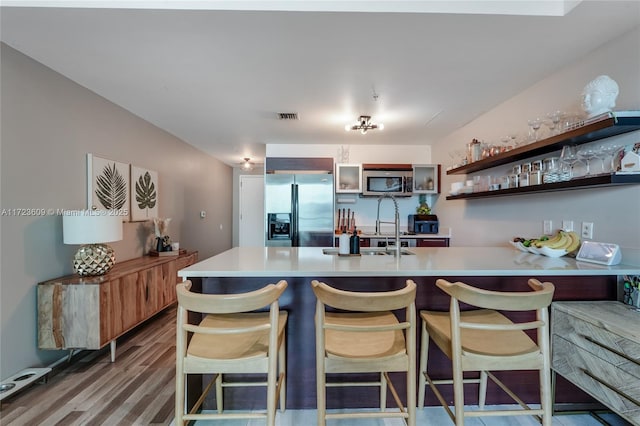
(550, 252)
(533, 249)
(519, 246)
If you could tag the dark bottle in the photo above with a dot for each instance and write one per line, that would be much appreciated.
(354, 243)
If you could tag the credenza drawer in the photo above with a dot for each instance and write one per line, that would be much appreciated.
(611, 385)
(610, 347)
(186, 260)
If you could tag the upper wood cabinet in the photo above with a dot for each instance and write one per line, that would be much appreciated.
(426, 178)
(348, 178)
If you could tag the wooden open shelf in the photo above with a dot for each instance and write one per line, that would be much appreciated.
(578, 183)
(605, 128)
(616, 123)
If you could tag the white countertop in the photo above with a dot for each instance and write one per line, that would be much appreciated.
(427, 261)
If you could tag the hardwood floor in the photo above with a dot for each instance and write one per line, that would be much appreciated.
(137, 389)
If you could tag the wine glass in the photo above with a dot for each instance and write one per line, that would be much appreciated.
(462, 156)
(509, 141)
(569, 156)
(587, 154)
(458, 157)
(535, 125)
(610, 150)
(551, 126)
(454, 157)
(554, 122)
(601, 154)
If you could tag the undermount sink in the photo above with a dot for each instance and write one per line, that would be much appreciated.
(370, 251)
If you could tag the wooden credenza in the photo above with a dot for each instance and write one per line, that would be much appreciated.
(596, 346)
(88, 312)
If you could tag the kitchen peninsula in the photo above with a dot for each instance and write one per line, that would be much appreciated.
(495, 268)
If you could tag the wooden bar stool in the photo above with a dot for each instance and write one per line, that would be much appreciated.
(485, 340)
(366, 337)
(231, 338)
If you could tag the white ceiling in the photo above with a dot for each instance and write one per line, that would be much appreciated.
(217, 78)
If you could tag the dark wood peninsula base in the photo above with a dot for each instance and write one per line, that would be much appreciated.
(299, 301)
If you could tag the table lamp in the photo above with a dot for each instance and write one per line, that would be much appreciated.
(92, 228)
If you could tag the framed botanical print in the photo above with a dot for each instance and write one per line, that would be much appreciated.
(108, 185)
(144, 194)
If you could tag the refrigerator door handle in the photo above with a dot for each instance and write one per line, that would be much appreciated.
(295, 237)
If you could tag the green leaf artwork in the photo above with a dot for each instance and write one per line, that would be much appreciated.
(145, 192)
(111, 188)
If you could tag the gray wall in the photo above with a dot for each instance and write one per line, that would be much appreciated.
(613, 210)
(49, 124)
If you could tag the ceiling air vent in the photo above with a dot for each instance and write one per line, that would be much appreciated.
(288, 115)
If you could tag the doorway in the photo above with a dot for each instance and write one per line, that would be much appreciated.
(251, 209)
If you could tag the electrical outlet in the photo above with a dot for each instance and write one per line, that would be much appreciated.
(587, 230)
(547, 227)
(567, 225)
(203, 214)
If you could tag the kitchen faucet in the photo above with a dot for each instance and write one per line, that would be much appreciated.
(396, 222)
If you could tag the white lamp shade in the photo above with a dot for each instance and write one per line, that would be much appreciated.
(91, 226)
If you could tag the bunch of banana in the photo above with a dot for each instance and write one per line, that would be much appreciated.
(575, 243)
(563, 240)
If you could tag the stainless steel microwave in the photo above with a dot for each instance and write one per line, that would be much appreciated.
(396, 180)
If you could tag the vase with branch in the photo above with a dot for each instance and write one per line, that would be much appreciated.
(163, 242)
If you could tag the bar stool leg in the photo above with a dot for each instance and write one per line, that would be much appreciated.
(424, 353)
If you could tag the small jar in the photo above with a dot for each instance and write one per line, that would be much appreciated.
(505, 183)
(551, 170)
(526, 167)
(474, 151)
(517, 169)
(494, 183)
(514, 181)
(477, 183)
(551, 164)
(535, 177)
(536, 165)
(523, 179)
(550, 177)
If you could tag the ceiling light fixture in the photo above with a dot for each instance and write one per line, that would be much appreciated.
(364, 124)
(247, 165)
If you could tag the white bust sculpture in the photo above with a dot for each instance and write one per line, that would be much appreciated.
(599, 95)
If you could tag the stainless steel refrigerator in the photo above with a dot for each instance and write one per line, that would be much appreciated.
(299, 202)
